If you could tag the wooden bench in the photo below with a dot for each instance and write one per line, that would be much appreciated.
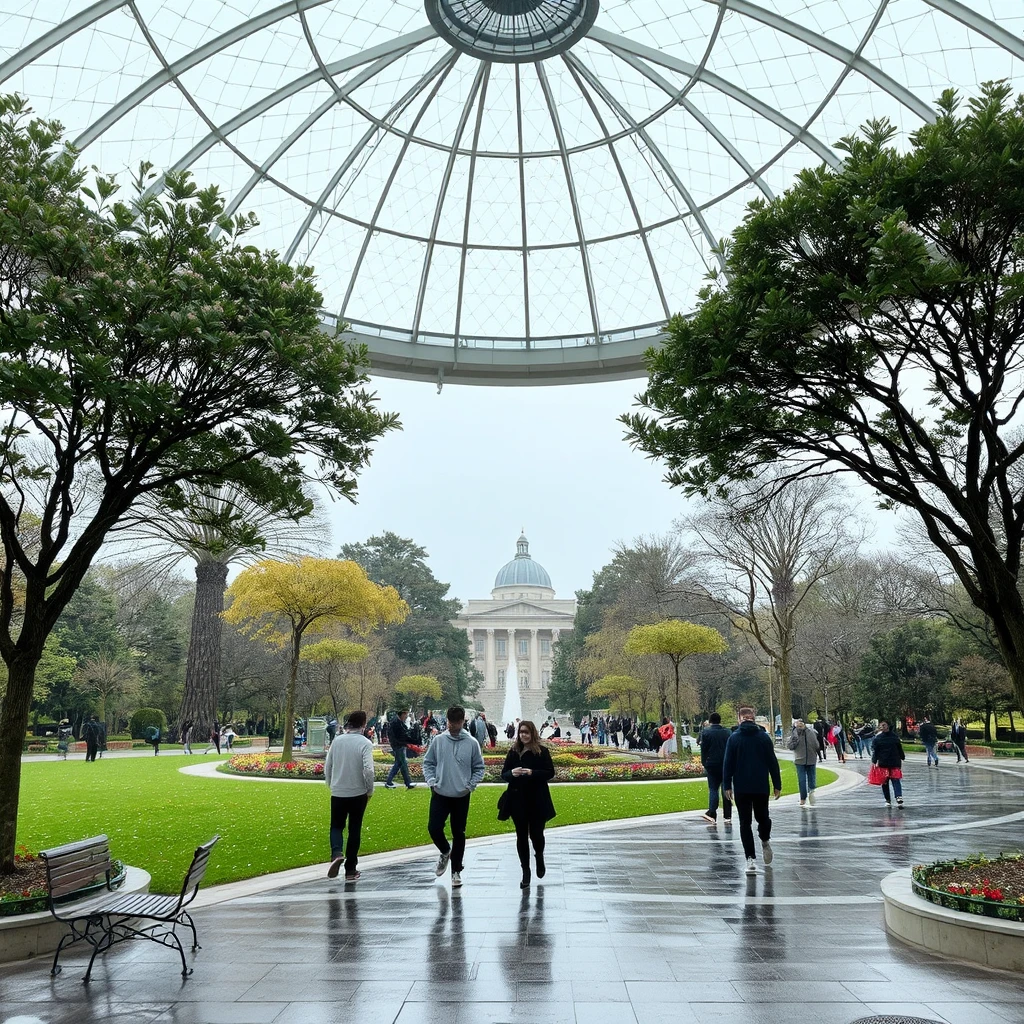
(112, 917)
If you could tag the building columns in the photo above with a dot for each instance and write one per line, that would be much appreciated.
(534, 660)
(490, 672)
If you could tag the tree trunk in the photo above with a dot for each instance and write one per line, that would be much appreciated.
(1005, 610)
(202, 671)
(988, 723)
(785, 695)
(289, 704)
(14, 713)
(1013, 727)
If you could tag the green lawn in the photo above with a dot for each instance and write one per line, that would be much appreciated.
(155, 816)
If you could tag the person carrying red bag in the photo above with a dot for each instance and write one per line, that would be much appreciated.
(887, 759)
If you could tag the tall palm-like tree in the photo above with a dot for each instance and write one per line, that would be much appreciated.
(215, 527)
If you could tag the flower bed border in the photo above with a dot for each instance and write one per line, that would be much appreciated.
(18, 905)
(964, 904)
(626, 771)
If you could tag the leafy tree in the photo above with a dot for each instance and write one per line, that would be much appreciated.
(419, 689)
(214, 527)
(331, 654)
(625, 694)
(870, 322)
(904, 670)
(426, 640)
(142, 351)
(676, 641)
(769, 546)
(281, 602)
(980, 685)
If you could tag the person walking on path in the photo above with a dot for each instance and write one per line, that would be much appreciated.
(348, 772)
(929, 736)
(838, 737)
(888, 754)
(750, 763)
(91, 733)
(667, 733)
(804, 744)
(214, 738)
(528, 770)
(712, 740)
(821, 728)
(958, 734)
(479, 729)
(398, 735)
(452, 767)
(153, 736)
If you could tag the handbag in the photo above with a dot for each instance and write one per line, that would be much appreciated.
(504, 807)
(877, 775)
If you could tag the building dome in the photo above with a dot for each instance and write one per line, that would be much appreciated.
(522, 571)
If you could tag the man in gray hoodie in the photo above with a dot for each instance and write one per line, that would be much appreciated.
(452, 767)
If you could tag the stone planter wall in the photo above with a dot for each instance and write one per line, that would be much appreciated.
(981, 940)
(23, 936)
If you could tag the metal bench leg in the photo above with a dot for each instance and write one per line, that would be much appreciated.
(186, 918)
(185, 969)
(100, 947)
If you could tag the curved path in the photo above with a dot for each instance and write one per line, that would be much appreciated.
(649, 921)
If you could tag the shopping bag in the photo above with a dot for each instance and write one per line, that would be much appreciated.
(877, 775)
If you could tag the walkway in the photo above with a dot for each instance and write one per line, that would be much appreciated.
(636, 923)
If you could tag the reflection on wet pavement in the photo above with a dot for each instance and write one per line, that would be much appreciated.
(636, 923)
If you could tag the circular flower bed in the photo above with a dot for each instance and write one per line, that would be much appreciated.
(610, 769)
(975, 885)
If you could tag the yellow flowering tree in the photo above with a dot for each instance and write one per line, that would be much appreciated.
(675, 639)
(418, 689)
(280, 602)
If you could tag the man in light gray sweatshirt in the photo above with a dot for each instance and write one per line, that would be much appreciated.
(348, 772)
(452, 767)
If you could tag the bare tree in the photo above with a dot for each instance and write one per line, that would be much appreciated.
(765, 548)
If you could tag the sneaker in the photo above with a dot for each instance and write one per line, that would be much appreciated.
(899, 801)
(810, 797)
(766, 851)
(390, 785)
(709, 818)
(456, 879)
(751, 866)
(442, 864)
(803, 803)
(332, 871)
(352, 876)
(888, 803)
(727, 821)
(412, 785)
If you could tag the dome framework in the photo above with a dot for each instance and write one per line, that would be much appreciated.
(521, 194)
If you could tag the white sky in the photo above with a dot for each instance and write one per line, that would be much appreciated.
(475, 465)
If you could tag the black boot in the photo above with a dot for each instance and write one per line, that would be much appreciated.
(525, 883)
(540, 865)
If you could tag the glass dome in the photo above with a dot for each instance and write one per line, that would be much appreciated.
(496, 191)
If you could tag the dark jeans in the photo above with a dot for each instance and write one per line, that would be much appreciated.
(714, 774)
(961, 751)
(756, 805)
(528, 830)
(351, 808)
(897, 788)
(401, 765)
(90, 750)
(441, 808)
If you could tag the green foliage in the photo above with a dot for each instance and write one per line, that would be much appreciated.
(426, 640)
(900, 270)
(675, 639)
(149, 788)
(419, 690)
(146, 347)
(143, 719)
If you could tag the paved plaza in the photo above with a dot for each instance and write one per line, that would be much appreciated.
(651, 921)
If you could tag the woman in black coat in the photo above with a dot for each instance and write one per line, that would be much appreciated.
(527, 770)
(887, 753)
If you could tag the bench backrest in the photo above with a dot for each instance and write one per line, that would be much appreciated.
(76, 865)
(196, 871)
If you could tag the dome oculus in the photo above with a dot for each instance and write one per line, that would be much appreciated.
(512, 31)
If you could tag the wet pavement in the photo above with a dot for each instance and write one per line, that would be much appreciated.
(645, 922)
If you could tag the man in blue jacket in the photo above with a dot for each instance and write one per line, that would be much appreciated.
(750, 763)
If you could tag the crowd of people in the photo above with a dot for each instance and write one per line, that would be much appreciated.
(453, 766)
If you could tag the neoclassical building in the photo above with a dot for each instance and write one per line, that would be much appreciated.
(524, 616)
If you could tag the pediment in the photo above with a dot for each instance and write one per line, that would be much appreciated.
(524, 609)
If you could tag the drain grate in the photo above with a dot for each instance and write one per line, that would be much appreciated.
(888, 1018)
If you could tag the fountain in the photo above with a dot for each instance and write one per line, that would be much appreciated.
(513, 709)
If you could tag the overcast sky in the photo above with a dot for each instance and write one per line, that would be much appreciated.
(474, 465)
